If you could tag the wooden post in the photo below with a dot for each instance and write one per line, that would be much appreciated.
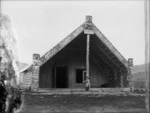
(87, 55)
(147, 42)
(88, 30)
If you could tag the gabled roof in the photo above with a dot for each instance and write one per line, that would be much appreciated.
(62, 44)
(77, 32)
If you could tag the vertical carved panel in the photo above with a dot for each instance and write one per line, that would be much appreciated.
(130, 66)
(35, 72)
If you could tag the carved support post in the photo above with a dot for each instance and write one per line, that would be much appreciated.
(35, 74)
(130, 66)
(87, 55)
(88, 31)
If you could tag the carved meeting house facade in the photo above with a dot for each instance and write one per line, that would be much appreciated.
(85, 53)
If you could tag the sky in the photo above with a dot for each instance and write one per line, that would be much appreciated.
(40, 25)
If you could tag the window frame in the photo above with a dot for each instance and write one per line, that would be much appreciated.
(83, 75)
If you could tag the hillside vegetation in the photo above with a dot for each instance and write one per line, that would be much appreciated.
(139, 75)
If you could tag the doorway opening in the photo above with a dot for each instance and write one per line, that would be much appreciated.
(60, 77)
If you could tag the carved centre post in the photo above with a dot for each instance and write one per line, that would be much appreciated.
(88, 31)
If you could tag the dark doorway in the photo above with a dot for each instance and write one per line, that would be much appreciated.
(61, 79)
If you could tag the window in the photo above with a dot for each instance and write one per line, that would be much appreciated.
(80, 75)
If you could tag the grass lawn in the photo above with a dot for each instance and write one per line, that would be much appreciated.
(82, 104)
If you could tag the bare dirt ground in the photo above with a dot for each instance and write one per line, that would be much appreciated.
(78, 103)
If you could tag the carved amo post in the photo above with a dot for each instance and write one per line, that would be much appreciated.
(130, 66)
(35, 72)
